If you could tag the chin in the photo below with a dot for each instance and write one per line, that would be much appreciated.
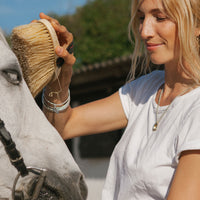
(160, 60)
(157, 62)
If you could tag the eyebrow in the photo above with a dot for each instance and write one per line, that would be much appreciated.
(156, 10)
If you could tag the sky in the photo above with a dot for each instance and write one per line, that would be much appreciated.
(17, 12)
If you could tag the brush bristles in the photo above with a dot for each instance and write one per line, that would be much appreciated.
(32, 44)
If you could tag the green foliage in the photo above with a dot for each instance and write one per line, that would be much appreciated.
(100, 30)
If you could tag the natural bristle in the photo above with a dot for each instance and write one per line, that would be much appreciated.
(34, 48)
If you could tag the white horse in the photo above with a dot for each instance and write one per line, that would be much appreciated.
(53, 173)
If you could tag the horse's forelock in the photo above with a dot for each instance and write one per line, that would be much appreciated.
(2, 37)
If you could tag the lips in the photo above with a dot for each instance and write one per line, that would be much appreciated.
(153, 46)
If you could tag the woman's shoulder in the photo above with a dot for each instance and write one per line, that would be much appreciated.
(147, 82)
(155, 76)
(142, 88)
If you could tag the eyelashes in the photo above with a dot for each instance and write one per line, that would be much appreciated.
(12, 76)
(158, 19)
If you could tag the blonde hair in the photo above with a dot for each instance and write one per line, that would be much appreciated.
(186, 15)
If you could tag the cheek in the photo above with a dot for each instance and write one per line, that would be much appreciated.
(169, 33)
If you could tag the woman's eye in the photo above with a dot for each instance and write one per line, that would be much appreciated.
(12, 76)
(141, 19)
(160, 18)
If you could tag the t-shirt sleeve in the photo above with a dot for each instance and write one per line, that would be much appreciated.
(189, 135)
(125, 96)
(129, 95)
(139, 91)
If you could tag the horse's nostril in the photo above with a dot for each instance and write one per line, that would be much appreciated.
(48, 194)
(54, 187)
(45, 192)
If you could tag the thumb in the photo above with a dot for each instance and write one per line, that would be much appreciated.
(60, 51)
(65, 56)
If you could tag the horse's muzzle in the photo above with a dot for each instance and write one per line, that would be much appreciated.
(53, 187)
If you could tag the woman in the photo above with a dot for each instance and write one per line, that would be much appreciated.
(158, 156)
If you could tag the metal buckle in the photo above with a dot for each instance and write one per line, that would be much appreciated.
(18, 195)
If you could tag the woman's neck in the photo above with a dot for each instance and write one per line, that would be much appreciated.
(176, 83)
(174, 73)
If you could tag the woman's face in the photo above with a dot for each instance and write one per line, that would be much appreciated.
(158, 32)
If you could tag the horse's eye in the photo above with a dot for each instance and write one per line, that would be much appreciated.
(12, 76)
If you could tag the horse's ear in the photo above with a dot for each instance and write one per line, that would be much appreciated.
(2, 38)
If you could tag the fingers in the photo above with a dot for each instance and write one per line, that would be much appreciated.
(64, 36)
(43, 16)
(63, 53)
(53, 21)
(65, 39)
(34, 21)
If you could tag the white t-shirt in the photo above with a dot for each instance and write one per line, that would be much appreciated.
(144, 161)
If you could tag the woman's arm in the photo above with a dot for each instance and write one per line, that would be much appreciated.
(96, 117)
(100, 116)
(186, 181)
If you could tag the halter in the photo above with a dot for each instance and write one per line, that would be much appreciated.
(18, 162)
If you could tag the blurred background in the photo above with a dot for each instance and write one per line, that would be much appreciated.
(103, 53)
(16, 12)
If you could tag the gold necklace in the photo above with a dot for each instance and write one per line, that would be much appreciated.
(155, 126)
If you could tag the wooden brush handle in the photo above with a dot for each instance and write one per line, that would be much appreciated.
(70, 48)
(51, 30)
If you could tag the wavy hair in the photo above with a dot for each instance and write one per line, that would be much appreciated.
(186, 15)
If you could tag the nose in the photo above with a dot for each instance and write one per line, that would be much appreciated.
(68, 187)
(146, 29)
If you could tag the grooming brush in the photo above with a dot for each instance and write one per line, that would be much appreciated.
(34, 45)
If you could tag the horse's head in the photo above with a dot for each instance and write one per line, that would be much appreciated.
(39, 143)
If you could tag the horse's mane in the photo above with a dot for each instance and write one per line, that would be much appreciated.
(2, 38)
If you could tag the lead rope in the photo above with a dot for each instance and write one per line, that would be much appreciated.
(18, 195)
(10, 148)
(18, 162)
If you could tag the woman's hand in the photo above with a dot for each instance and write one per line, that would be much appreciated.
(65, 39)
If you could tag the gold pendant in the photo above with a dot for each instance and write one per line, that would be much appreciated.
(155, 126)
